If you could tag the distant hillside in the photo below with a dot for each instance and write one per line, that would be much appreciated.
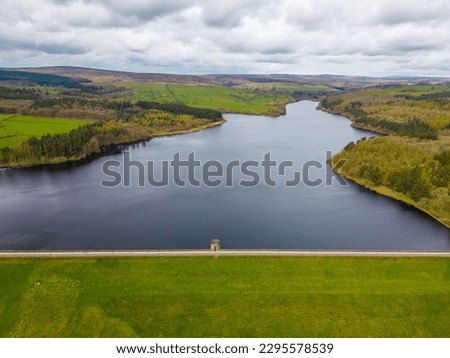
(95, 75)
(43, 79)
(227, 80)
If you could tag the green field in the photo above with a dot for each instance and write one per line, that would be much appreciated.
(15, 129)
(220, 98)
(225, 297)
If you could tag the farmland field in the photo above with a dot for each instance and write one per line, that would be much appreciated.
(225, 297)
(220, 98)
(15, 129)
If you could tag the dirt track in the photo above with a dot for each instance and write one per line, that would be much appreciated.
(175, 253)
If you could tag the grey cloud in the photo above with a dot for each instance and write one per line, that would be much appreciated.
(410, 47)
(120, 13)
(263, 49)
(226, 14)
(275, 59)
(237, 47)
(402, 12)
(278, 50)
(64, 2)
(146, 10)
(231, 14)
(365, 37)
(223, 21)
(57, 49)
(308, 18)
(401, 17)
(50, 47)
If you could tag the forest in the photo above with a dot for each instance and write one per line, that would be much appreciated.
(43, 79)
(411, 160)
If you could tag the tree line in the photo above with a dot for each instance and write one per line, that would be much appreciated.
(18, 93)
(398, 165)
(43, 79)
(51, 146)
(440, 98)
(354, 110)
(93, 137)
(125, 110)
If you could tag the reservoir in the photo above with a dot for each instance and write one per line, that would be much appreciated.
(62, 208)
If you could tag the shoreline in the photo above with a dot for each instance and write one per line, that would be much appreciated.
(384, 191)
(186, 131)
(389, 193)
(108, 149)
(55, 162)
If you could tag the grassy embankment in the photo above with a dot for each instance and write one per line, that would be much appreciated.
(225, 297)
(412, 162)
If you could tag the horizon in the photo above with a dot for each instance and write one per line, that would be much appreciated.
(393, 77)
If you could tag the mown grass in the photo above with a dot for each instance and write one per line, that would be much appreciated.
(225, 297)
(15, 129)
(220, 98)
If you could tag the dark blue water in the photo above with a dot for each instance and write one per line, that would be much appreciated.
(67, 208)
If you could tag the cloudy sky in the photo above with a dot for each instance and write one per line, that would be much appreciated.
(354, 37)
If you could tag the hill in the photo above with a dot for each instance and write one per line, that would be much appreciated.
(102, 76)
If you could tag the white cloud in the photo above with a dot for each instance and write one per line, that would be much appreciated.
(366, 37)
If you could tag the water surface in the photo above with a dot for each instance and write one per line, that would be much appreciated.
(67, 208)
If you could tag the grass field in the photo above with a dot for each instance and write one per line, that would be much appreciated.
(15, 129)
(225, 297)
(220, 98)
